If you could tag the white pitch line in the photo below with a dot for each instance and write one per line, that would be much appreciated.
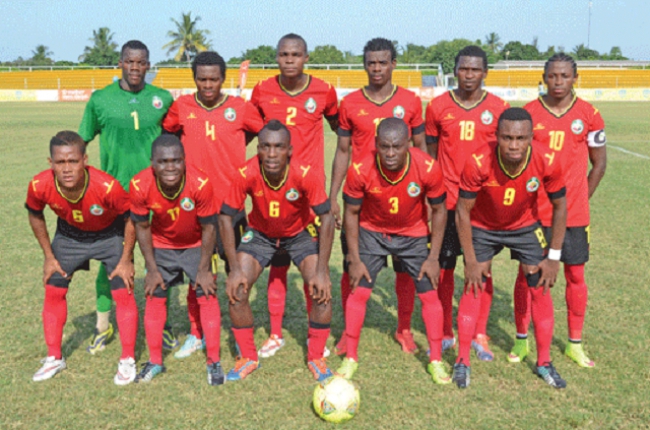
(645, 157)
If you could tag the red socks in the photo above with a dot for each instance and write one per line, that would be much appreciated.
(345, 292)
(246, 342)
(543, 322)
(576, 299)
(317, 340)
(126, 313)
(55, 315)
(522, 303)
(194, 314)
(446, 295)
(432, 317)
(277, 295)
(484, 312)
(155, 315)
(211, 322)
(468, 310)
(355, 314)
(405, 291)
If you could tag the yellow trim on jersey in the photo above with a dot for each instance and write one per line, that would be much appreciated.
(516, 175)
(404, 172)
(556, 115)
(294, 93)
(219, 104)
(284, 180)
(83, 192)
(453, 96)
(175, 196)
(363, 90)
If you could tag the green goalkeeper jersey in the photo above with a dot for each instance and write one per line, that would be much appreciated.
(127, 124)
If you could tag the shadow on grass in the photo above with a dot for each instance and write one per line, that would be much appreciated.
(84, 326)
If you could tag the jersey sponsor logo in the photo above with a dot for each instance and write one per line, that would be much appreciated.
(356, 167)
(487, 118)
(539, 126)
(96, 210)
(230, 114)
(429, 164)
(187, 204)
(305, 170)
(157, 102)
(310, 105)
(413, 189)
(242, 171)
(492, 184)
(203, 182)
(156, 206)
(449, 116)
(133, 101)
(532, 185)
(259, 193)
(34, 182)
(577, 126)
(292, 195)
(375, 190)
(247, 237)
(191, 116)
(55, 206)
(108, 186)
(399, 112)
(362, 112)
(275, 101)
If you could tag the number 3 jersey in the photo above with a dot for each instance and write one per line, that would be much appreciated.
(282, 211)
(394, 202)
(506, 201)
(175, 220)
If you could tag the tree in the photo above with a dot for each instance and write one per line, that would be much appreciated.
(104, 50)
(493, 42)
(41, 56)
(581, 52)
(445, 52)
(411, 53)
(614, 54)
(350, 58)
(326, 54)
(187, 40)
(263, 54)
(516, 50)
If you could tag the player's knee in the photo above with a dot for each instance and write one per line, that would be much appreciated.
(574, 274)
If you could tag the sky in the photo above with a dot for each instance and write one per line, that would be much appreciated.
(65, 26)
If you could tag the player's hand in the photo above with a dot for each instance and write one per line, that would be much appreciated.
(549, 269)
(357, 271)
(474, 274)
(336, 213)
(205, 281)
(152, 280)
(320, 287)
(126, 271)
(50, 267)
(431, 269)
(235, 280)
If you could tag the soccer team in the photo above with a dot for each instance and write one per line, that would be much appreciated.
(472, 177)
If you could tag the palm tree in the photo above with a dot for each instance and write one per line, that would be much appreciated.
(493, 41)
(104, 50)
(41, 55)
(187, 40)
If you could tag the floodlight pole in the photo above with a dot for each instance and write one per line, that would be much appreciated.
(589, 24)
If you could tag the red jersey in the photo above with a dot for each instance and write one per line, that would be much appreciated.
(460, 131)
(214, 138)
(359, 117)
(102, 201)
(569, 135)
(505, 202)
(302, 112)
(394, 202)
(176, 221)
(282, 211)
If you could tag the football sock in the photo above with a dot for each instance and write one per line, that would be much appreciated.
(486, 304)
(355, 314)
(405, 291)
(305, 288)
(277, 295)
(246, 342)
(55, 315)
(446, 295)
(522, 303)
(126, 314)
(103, 292)
(576, 299)
(102, 321)
(211, 323)
(543, 322)
(432, 317)
(468, 310)
(194, 313)
(317, 335)
(345, 292)
(155, 315)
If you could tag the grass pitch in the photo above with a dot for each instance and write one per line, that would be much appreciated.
(396, 392)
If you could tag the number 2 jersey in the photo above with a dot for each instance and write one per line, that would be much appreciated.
(506, 202)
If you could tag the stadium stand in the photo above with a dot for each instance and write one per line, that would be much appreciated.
(587, 78)
(78, 79)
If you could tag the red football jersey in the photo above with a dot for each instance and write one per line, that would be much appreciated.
(569, 135)
(394, 202)
(214, 138)
(504, 201)
(359, 117)
(176, 221)
(460, 131)
(102, 201)
(282, 211)
(302, 112)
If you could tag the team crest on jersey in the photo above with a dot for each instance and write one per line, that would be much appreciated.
(413, 189)
(577, 126)
(96, 210)
(292, 195)
(230, 114)
(187, 204)
(398, 112)
(487, 118)
(532, 185)
(157, 102)
(310, 105)
(247, 237)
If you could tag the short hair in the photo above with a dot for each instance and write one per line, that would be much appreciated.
(292, 36)
(209, 58)
(472, 51)
(134, 45)
(166, 141)
(515, 114)
(67, 138)
(380, 44)
(561, 57)
(393, 125)
(275, 125)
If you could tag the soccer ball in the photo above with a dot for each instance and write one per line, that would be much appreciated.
(336, 399)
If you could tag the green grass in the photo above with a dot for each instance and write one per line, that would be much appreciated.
(395, 390)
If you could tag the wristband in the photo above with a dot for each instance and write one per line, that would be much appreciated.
(554, 254)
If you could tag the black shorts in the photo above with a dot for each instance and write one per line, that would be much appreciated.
(264, 249)
(527, 245)
(575, 249)
(374, 248)
(75, 255)
(450, 249)
(397, 264)
(174, 263)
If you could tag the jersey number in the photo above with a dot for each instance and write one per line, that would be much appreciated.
(541, 238)
(136, 120)
(77, 215)
(274, 209)
(509, 197)
(209, 130)
(173, 213)
(291, 114)
(377, 121)
(466, 130)
(557, 140)
(394, 205)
